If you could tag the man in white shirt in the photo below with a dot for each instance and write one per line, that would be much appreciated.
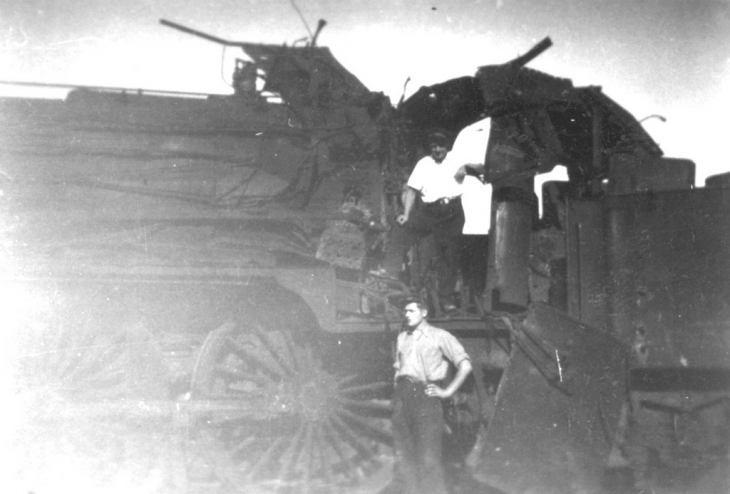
(432, 205)
(470, 148)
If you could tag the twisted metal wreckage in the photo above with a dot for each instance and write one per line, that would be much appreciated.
(226, 248)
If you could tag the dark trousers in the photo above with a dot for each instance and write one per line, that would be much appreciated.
(474, 260)
(445, 222)
(418, 427)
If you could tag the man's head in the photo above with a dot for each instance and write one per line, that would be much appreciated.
(415, 312)
(438, 143)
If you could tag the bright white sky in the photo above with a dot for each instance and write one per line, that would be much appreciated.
(666, 57)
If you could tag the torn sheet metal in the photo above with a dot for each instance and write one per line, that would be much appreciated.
(558, 407)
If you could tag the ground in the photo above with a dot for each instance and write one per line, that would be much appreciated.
(150, 456)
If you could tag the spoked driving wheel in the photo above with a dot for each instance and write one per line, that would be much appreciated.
(273, 420)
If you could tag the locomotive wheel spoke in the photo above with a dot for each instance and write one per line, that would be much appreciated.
(377, 386)
(380, 434)
(373, 406)
(351, 438)
(266, 458)
(295, 426)
(281, 354)
(331, 438)
(241, 374)
(291, 454)
(321, 452)
(344, 380)
(222, 419)
(243, 445)
(251, 355)
(305, 457)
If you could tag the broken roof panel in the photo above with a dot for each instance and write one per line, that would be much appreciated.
(451, 105)
(502, 89)
(620, 127)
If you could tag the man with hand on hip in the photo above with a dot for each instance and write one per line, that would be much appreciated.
(423, 353)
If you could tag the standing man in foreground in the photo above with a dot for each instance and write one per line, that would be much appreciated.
(423, 353)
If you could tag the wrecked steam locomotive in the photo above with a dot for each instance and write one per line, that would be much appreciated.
(218, 258)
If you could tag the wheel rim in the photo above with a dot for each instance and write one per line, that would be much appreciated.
(286, 424)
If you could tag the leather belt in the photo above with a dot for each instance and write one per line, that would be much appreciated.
(413, 380)
(443, 201)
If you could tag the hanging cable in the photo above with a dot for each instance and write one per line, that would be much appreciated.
(311, 35)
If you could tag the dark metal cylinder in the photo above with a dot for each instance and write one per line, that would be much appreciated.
(513, 227)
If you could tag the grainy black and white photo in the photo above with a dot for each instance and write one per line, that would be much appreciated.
(386, 247)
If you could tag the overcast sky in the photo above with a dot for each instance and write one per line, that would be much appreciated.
(667, 57)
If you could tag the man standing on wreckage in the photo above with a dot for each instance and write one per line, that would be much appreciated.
(432, 205)
(423, 353)
(441, 191)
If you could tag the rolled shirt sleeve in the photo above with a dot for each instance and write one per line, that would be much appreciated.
(453, 349)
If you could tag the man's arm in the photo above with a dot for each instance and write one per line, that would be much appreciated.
(409, 199)
(462, 373)
(469, 169)
(477, 168)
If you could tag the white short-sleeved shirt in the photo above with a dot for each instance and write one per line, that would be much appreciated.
(477, 203)
(435, 180)
(476, 198)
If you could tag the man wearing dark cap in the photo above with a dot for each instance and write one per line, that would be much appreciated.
(423, 353)
(432, 205)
